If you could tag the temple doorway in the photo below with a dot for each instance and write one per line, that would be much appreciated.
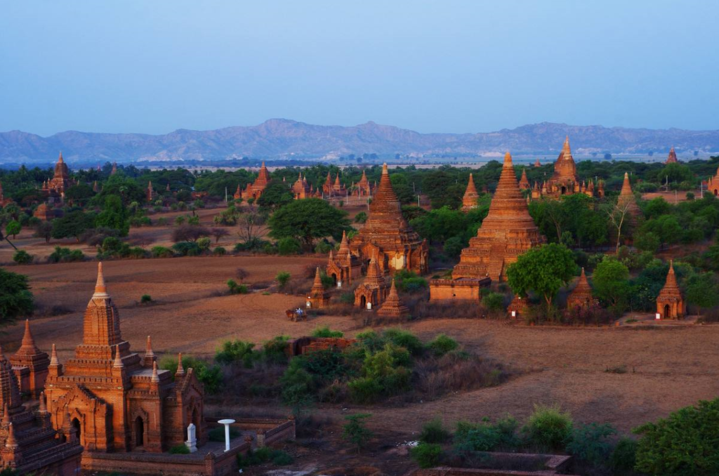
(667, 311)
(334, 279)
(363, 302)
(564, 190)
(139, 432)
(78, 429)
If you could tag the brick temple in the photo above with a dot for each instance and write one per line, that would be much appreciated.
(670, 302)
(469, 200)
(54, 189)
(672, 157)
(712, 185)
(581, 295)
(373, 290)
(507, 232)
(387, 236)
(116, 400)
(564, 180)
(344, 267)
(255, 189)
(628, 202)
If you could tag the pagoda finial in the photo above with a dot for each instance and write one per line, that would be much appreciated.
(5, 414)
(53, 357)
(100, 288)
(118, 359)
(507, 159)
(148, 348)
(11, 442)
(43, 403)
(27, 338)
(385, 171)
(155, 378)
(59, 159)
(318, 278)
(180, 369)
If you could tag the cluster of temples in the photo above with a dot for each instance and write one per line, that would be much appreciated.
(333, 188)
(302, 189)
(255, 189)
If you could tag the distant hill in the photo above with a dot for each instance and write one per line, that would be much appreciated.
(281, 138)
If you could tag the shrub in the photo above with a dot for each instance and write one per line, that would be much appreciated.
(218, 433)
(548, 428)
(219, 251)
(161, 252)
(145, 299)
(282, 278)
(427, 455)
(624, 457)
(236, 288)
(236, 351)
(347, 298)
(255, 245)
(434, 432)
(289, 246)
(483, 436)
(65, 255)
(189, 232)
(281, 458)
(209, 375)
(405, 339)
(187, 248)
(323, 247)
(22, 257)
(180, 450)
(355, 430)
(325, 331)
(493, 302)
(591, 443)
(442, 344)
(204, 243)
(361, 217)
(682, 444)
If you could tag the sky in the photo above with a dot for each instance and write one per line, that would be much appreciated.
(430, 66)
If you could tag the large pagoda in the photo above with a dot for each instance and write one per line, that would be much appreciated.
(564, 180)
(54, 189)
(255, 189)
(507, 232)
(387, 236)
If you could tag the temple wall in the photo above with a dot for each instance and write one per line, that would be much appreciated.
(448, 289)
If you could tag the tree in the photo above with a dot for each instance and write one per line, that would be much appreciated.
(16, 300)
(356, 431)
(249, 223)
(611, 282)
(114, 215)
(218, 233)
(13, 228)
(79, 194)
(618, 216)
(308, 220)
(543, 269)
(276, 195)
(702, 290)
(72, 225)
(684, 444)
(189, 233)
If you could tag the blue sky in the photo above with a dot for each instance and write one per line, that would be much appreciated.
(431, 66)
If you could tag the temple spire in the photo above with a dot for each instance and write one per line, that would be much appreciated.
(100, 288)
(118, 359)
(28, 346)
(155, 378)
(53, 357)
(180, 369)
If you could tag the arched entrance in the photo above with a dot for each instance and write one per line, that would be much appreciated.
(78, 429)
(564, 190)
(139, 432)
(363, 302)
(667, 311)
(716, 192)
(334, 279)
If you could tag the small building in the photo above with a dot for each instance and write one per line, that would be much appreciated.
(44, 212)
(345, 267)
(255, 189)
(30, 365)
(672, 157)
(318, 298)
(469, 200)
(518, 308)
(564, 180)
(463, 289)
(373, 291)
(670, 302)
(393, 307)
(581, 295)
(712, 185)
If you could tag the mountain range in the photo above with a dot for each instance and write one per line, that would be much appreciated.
(283, 139)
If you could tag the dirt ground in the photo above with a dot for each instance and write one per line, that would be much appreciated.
(665, 368)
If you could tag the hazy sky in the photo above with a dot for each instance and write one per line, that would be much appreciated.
(432, 66)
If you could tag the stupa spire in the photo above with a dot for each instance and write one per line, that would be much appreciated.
(100, 288)
(180, 369)
(469, 200)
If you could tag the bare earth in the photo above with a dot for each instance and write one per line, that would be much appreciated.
(666, 368)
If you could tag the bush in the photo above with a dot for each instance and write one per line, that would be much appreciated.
(483, 436)
(624, 457)
(180, 450)
(161, 252)
(65, 255)
(361, 217)
(145, 299)
(442, 344)
(262, 456)
(289, 246)
(204, 243)
(236, 351)
(427, 455)
(209, 375)
(219, 251)
(493, 302)
(355, 431)
(237, 288)
(255, 245)
(187, 248)
(22, 257)
(591, 443)
(683, 444)
(218, 433)
(325, 331)
(434, 432)
(548, 428)
(323, 247)
(280, 458)
(405, 339)
(282, 278)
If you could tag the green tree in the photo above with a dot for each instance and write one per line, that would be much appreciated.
(114, 215)
(543, 269)
(702, 290)
(79, 194)
(276, 195)
(72, 225)
(684, 444)
(308, 220)
(13, 228)
(16, 300)
(611, 282)
(355, 430)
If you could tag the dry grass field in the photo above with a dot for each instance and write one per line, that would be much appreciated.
(665, 368)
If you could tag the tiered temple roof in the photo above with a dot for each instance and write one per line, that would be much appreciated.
(387, 236)
(507, 232)
(672, 157)
(255, 189)
(628, 201)
(564, 180)
(524, 182)
(469, 201)
(581, 295)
